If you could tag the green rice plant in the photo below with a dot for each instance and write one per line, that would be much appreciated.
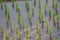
(0, 27)
(0, 1)
(12, 3)
(16, 28)
(53, 15)
(1, 4)
(11, 25)
(53, 3)
(56, 5)
(27, 29)
(1, 30)
(32, 11)
(45, 6)
(30, 18)
(55, 38)
(38, 35)
(36, 23)
(19, 20)
(12, 38)
(7, 36)
(17, 8)
(39, 2)
(47, 24)
(37, 26)
(50, 32)
(7, 18)
(27, 4)
(8, 13)
(57, 20)
(49, 10)
(5, 7)
(22, 22)
(38, 31)
(41, 14)
(27, 32)
(19, 35)
(41, 17)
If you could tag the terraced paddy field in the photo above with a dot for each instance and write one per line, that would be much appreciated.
(30, 20)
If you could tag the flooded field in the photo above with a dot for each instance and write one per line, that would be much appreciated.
(30, 20)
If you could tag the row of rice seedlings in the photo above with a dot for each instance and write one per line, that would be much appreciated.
(30, 18)
(20, 19)
(18, 15)
(39, 2)
(18, 33)
(50, 32)
(38, 34)
(12, 3)
(1, 4)
(28, 33)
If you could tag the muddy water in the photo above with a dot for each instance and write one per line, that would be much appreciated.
(23, 12)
